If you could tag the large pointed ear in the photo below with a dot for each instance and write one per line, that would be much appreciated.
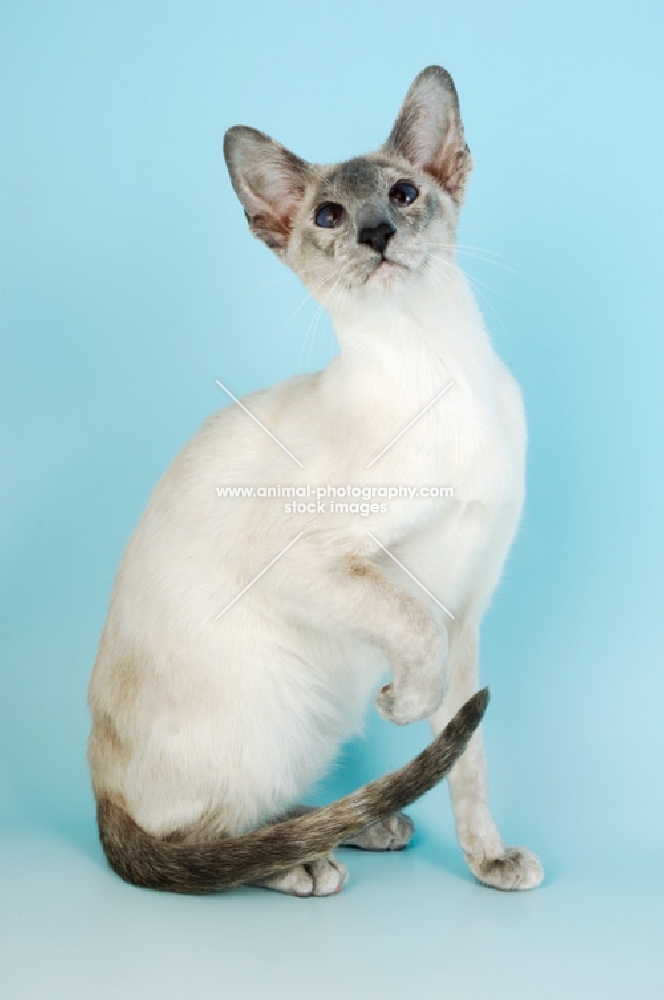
(269, 180)
(428, 131)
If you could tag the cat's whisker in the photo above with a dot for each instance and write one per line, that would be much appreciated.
(305, 340)
(315, 325)
(314, 335)
(288, 277)
(498, 263)
(345, 292)
(474, 282)
(313, 321)
(488, 256)
(439, 266)
(439, 272)
(295, 312)
(275, 281)
(490, 305)
(468, 246)
(310, 295)
(495, 291)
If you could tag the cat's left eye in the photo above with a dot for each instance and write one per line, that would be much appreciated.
(329, 215)
(403, 193)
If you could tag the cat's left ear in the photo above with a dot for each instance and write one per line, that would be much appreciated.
(428, 131)
(269, 180)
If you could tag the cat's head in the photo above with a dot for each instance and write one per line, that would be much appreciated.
(374, 224)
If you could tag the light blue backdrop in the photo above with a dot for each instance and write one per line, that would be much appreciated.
(129, 283)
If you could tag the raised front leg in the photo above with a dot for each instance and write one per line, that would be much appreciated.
(356, 594)
(488, 858)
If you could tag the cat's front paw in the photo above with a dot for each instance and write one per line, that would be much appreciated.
(515, 868)
(406, 705)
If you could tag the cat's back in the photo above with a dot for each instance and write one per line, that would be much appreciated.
(190, 552)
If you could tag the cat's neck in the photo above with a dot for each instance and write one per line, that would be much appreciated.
(423, 336)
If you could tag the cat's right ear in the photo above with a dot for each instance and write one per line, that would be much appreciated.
(269, 180)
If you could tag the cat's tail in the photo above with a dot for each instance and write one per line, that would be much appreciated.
(210, 866)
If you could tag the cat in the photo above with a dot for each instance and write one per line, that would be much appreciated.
(245, 636)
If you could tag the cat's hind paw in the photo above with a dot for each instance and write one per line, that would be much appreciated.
(390, 834)
(516, 868)
(322, 877)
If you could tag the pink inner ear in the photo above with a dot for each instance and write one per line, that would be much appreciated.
(450, 162)
(273, 222)
(459, 170)
(268, 222)
(272, 218)
(433, 140)
(282, 215)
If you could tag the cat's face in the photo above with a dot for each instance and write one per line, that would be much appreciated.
(374, 224)
(370, 225)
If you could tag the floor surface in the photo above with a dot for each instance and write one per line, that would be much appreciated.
(411, 924)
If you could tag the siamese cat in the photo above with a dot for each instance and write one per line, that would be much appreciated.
(245, 636)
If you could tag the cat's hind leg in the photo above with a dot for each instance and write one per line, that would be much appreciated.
(323, 877)
(327, 876)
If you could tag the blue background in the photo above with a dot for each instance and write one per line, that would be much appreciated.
(129, 283)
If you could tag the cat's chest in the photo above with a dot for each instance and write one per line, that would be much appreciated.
(472, 442)
(467, 440)
(429, 405)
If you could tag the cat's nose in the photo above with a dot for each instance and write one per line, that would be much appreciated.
(377, 236)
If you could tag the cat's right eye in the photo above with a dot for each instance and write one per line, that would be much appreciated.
(329, 215)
